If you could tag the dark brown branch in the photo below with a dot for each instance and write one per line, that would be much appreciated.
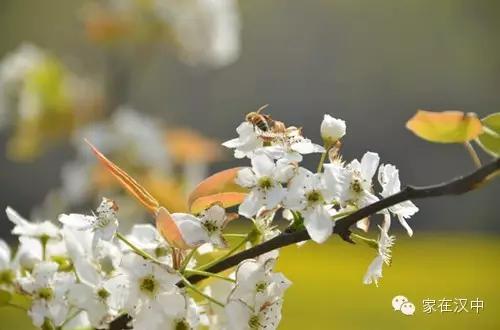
(456, 186)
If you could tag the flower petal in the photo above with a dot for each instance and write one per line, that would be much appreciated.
(318, 224)
(369, 164)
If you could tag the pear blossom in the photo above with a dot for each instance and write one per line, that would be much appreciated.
(256, 300)
(104, 224)
(207, 31)
(90, 262)
(82, 268)
(146, 237)
(332, 129)
(48, 289)
(308, 194)
(246, 143)
(265, 180)
(152, 292)
(214, 316)
(253, 277)
(388, 177)
(42, 230)
(101, 300)
(193, 231)
(374, 272)
(356, 185)
(215, 219)
(291, 145)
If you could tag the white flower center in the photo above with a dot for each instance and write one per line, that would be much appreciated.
(265, 183)
(148, 285)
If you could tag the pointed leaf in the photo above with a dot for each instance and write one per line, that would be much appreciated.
(490, 139)
(132, 186)
(219, 187)
(446, 126)
(169, 230)
(226, 199)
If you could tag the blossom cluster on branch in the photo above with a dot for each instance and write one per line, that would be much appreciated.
(85, 272)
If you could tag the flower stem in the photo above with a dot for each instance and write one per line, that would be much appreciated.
(136, 249)
(230, 252)
(72, 316)
(208, 274)
(198, 291)
(186, 260)
(327, 147)
(473, 154)
(341, 215)
(369, 241)
(234, 235)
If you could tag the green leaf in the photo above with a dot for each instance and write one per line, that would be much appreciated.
(5, 297)
(490, 139)
(445, 127)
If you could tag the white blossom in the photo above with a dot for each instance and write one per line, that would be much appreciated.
(256, 300)
(104, 224)
(42, 230)
(246, 143)
(388, 177)
(332, 129)
(214, 220)
(101, 300)
(153, 296)
(374, 272)
(291, 145)
(48, 288)
(208, 31)
(265, 180)
(308, 194)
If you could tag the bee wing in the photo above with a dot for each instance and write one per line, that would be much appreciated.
(262, 108)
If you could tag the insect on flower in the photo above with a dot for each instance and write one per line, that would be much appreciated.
(264, 122)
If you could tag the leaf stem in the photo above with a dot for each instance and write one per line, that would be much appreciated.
(137, 250)
(208, 274)
(198, 291)
(369, 241)
(186, 260)
(473, 154)
(72, 316)
(235, 235)
(227, 254)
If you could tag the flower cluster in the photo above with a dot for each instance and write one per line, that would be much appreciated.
(85, 272)
(206, 32)
(42, 99)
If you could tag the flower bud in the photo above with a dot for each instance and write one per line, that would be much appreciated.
(332, 129)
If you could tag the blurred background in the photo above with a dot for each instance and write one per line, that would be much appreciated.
(140, 78)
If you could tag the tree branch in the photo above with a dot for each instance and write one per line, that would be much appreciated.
(456, 186)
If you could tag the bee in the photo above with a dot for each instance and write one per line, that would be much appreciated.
(260, 120)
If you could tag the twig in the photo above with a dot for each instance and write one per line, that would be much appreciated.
(456, 186)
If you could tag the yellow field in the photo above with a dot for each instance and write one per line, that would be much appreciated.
(327, 292)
